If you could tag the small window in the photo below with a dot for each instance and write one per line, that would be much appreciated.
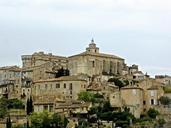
(57, 85)
(45, 86)
(93, 63)
(70, 86)
(45, 107)
(152, 101)
(71, 92)
(50, 108)
(144, 102)
(64, 85)
(152, 93)
(134, 92)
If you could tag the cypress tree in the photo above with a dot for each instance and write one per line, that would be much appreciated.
(31, 105)
(28, 106)
(8, 123)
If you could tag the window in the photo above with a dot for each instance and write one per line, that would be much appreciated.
(134, 92)
(70, 86)
(152, 102)
(93, 63)
(64, 85)
(71, 92)
(50, 108)
(144, 102)
(152, 93)
(45, 107)
(45, 86)
(57, 85)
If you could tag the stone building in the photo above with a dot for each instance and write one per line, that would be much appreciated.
(92, 62)
(10, 78)
(66, 87)
(164, 79)
(133, 99)
(152, 91)
(40, 58)
(60, 106)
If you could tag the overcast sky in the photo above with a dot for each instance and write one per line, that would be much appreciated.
(137, 30)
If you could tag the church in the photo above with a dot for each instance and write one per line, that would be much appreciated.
(92, 62)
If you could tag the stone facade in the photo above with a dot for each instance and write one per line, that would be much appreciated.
(133, 98)
(10, 78)
(42, 66)
(92, 62)
(40, 58)
(66, 87)
(152, 92)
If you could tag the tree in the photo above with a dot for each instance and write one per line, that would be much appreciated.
(161, 122)
(8, 123)
(15, 104)
(3, 107)
(47, 120)
(118, 82)
(86, 96)
(164, 100)
(107, 107)
(152, 113)
(29, 106)
(56, 119)
(83, 124)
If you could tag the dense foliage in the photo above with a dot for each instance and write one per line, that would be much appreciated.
(90, 97)
(164, 100)
(152, 113)
(47, 120)
(118, 82)
(106, 112)
(6, 104)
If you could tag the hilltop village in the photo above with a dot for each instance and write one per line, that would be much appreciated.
(89, 89)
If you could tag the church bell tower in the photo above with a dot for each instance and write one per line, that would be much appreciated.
(92, 47)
